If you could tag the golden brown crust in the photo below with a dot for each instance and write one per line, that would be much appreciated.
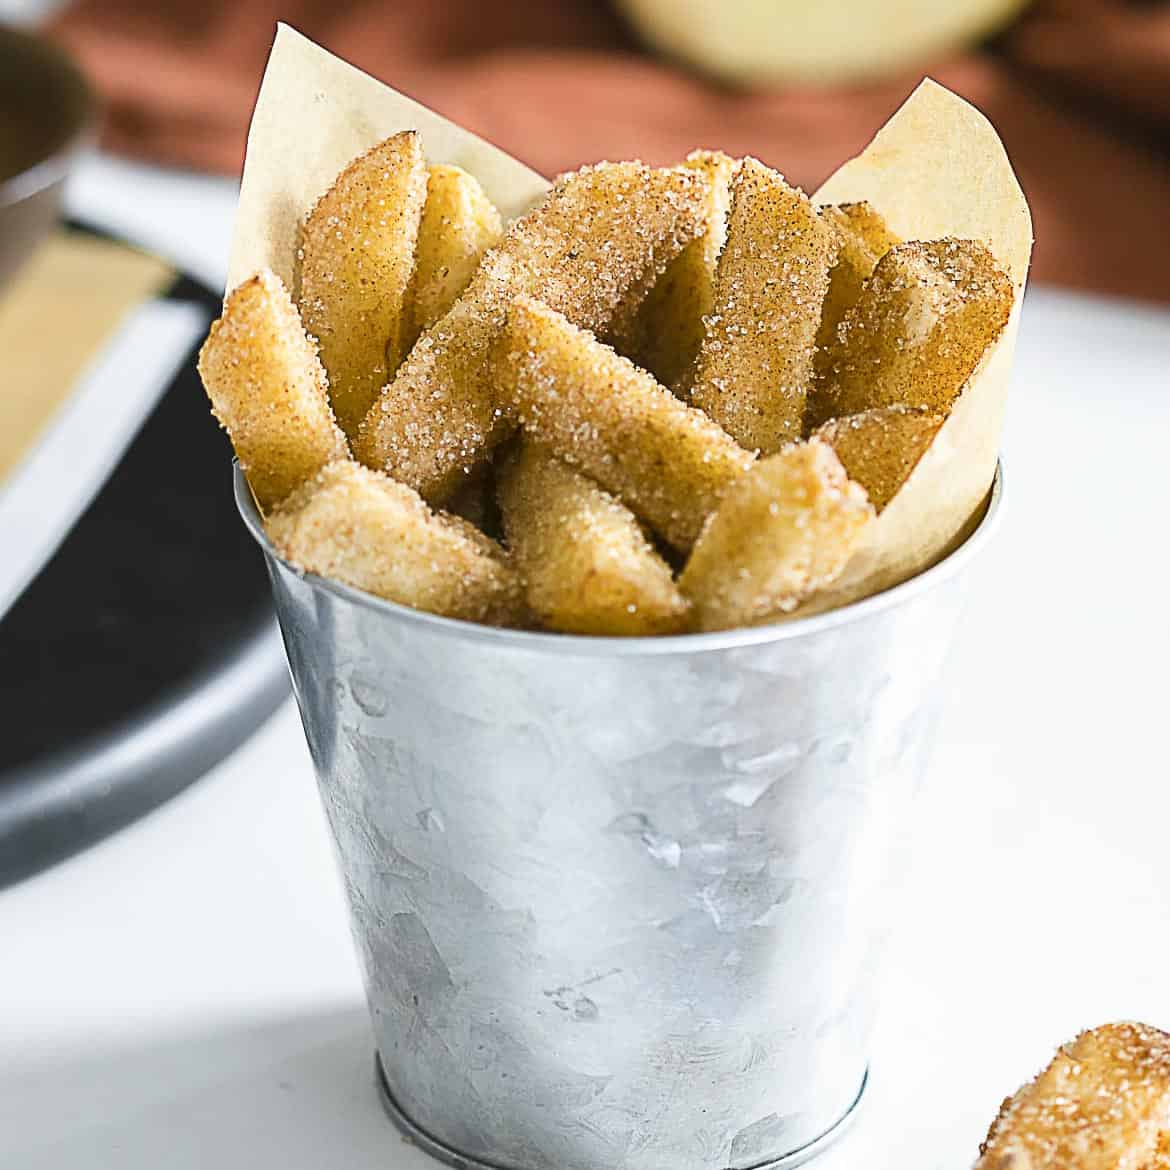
(359, 527)
(666, 461)
(357, 257)
(880, 448)
(587, 565)
(755, 365)
(1103, 1103)
(863, 238)
(922, 324)
(784, 530)
(268, 390)
(437, 421)
(601, 232)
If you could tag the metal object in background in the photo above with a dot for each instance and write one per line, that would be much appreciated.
(47, 115)
(619, 903)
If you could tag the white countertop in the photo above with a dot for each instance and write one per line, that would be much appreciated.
(185, 994)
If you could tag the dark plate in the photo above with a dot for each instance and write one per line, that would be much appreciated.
(144, 651)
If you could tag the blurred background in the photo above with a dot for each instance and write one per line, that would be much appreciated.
(1080, 89)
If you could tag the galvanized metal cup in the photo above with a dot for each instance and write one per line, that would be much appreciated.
(619, 903)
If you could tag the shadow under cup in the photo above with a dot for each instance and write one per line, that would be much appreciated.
(620, 902)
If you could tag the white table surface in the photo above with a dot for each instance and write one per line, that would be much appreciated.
(185, 994)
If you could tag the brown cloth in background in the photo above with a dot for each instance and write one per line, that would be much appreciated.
(1079, 91)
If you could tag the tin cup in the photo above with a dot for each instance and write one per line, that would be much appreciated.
(619, 902)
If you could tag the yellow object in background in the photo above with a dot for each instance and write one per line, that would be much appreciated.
(761, 42)
(54, 319)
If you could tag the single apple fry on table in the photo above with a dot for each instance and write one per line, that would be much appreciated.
(755, 365)
(1102, 1103)
(664, 334)
(924, 320)
(880, 448)
(784, 529)
(459, 223)
(601, 231)
(863, 238)
(363, 529)
(586, 563)
(357, 257)
(269, 391)
(668, 462)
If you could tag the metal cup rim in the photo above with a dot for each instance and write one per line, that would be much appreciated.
(542, 642)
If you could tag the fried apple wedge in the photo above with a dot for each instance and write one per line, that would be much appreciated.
(666, 330)
(363, 529)
(923, 322)
(268, 390)
(600, 232)
(755, 364)
(459, 224)
(668, 462)
(863, 238)
(880, 448)
(586, 563)
(357, 257)
(784, 529)
(1102, 1104)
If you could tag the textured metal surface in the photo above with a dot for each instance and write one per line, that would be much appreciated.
(443, 1153)
(620, 903)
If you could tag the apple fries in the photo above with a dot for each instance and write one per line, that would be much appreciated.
(863, 238)
(597, 410)
(601, 232)
(716, 274)
(667, 329)
(880, 448)
(783, 530)
(363, 529)
(755, 364)
(586, 563)
(357, 255)
(269, 391)
(923, 321)
(459, 224)
(1103, 1103)
(325, 513)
